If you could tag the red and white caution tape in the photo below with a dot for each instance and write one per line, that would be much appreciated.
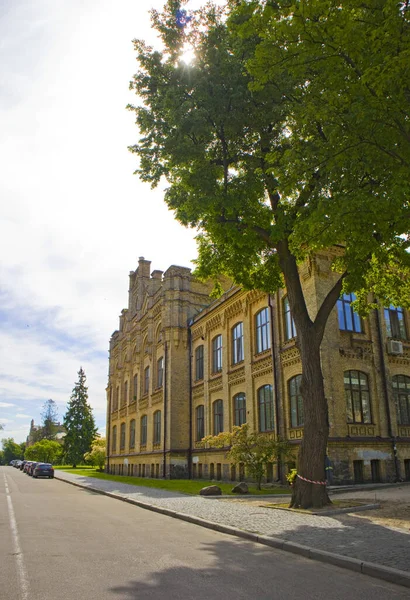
(310, 481)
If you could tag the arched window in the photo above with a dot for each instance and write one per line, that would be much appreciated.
(200, 423)
(122, 437)
(395, 325)
(114, 439)
(157, 427)
(144, 426)
(218, 416)
(146, 380)
(135, 388)
(266, 410)
(116, 398)
(262, 328)
(237, 343)
(401, 393)
(296, 402)
(349, 320)
(239, 409)
(160, 372)
(357, 397)
(199, 362)
(132, 433)
(125, 401)
(290, 327)
(217, 354)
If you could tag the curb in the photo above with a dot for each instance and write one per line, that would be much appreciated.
(353, 564)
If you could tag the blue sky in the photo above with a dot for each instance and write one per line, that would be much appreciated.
(73, 217)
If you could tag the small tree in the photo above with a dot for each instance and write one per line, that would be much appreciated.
(50, 419)
(47, 451)
(97, 454)
(79, 423)
(254, 449)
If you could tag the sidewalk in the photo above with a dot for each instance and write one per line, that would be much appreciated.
(343, 539)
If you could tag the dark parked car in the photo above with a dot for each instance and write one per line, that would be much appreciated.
(22, 465)
(26, 466)
(43, 470)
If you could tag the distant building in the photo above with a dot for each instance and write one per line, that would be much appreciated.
(35, 433)
(183, 366)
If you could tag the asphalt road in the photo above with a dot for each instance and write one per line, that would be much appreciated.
(59, 542)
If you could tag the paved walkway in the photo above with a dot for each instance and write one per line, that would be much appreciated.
(343, 534)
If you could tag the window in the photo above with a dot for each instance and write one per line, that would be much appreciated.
(349, 320)
(160, 372)
(217, 354)
(401, 394)
(200, 423)
(290, 327)
(116, 398)
(237, 343)
(146, 380)
(239, 409)
(125, 393)
(132, 433)
(199, 363)
(218, 415)
(157, 427)
(135, 387)
(265, 406)
(122, 437)
(357, 397)
(262, 330)
(296, 402)
(114, 439)
(144, 423)
(395, 326)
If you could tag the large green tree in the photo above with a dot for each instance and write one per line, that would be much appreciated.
(11, 450)
(79, 423)
(286, 135)
(48, 451)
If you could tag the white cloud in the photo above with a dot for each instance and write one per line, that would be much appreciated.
(6, 404)
(22, 416)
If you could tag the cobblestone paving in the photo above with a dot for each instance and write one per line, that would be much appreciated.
(343, 534)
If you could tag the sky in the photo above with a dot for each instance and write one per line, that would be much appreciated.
(73, 217)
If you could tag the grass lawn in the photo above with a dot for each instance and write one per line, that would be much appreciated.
(185, 486)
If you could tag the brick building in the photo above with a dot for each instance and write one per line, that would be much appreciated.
(183, 366)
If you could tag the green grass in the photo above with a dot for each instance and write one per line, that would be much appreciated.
(185, 486)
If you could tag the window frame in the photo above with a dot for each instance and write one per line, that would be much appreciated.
(144, 430)
(395, 326)
(199, 362)
(290, 327)
(237, 343)
(217, 416)
(199, 422)
(135, 386)
(239, 409)
(160, 372)
(355, 398)
(122, 436)
(262, 330)
(266, 406)
(156, 434)
(402, 399)
(114, 439)
(296, 408)
(146, 380)
(217, 353)
(348, 318)
(132, 433)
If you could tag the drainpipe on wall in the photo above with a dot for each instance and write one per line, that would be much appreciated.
(190, 400)
(276, 377)
(386, 394)
(164, 467)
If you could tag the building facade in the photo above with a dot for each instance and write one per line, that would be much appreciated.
(183, 367)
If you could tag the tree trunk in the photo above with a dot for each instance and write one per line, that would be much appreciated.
(311, 460)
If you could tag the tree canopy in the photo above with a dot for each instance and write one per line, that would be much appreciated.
(98, 453)
(79, 423)
(286, 135)
(50, 419)
(47, 451)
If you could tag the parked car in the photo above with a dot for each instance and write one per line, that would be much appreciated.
(31, 468)
(43, 470)
(26, 466)
(11, 463)
(17, 464)
(23, 462)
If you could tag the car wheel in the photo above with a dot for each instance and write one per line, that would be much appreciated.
(34, 476)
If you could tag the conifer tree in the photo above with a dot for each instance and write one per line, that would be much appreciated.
(50, 419)
(79, 423)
